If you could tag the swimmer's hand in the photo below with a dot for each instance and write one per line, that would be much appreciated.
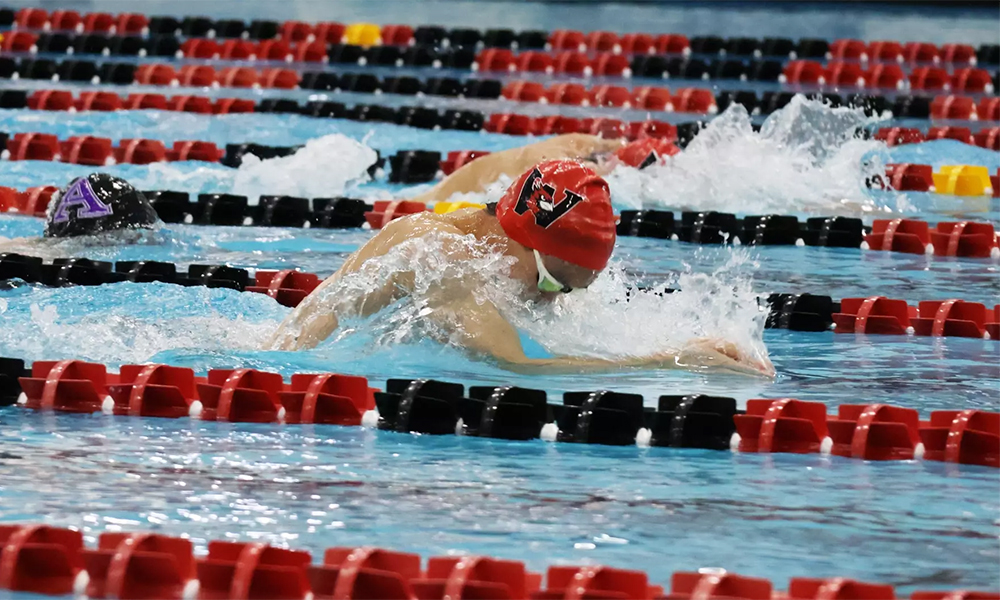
(576, 145)
(718, 354)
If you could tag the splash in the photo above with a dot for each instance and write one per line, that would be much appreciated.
(130, 323)
(324, 167)
(616, 318)
(805, 159)
(612, 318)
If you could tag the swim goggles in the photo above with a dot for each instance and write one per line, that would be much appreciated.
(546, 282)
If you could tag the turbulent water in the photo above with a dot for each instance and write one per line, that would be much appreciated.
(805, 158)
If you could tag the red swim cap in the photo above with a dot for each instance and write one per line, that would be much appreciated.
(563, 209)
(645, 152)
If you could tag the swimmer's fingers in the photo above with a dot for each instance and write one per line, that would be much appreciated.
(580, 145)
(722, 355)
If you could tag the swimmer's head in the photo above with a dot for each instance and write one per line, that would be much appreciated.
(646, 152)
(98, 203)
(562, 210)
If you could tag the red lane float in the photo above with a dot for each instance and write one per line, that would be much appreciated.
(567, 39)
(155, 391)
(964, 238)
(65, 386)
(782, 425)
(969, 437)
(534, 62)
(845, 74)
(40, 559)
(191, 104)
(877, 315)
(989, 139)
(452, 577)
(953, 107)
(392, 35)
(895, 136)
(48, 560)
(874, 432)
(577, 583)
(288, 287)
(952, 318)
(139, 565)
(51, 100)
(719, 585)
(241, 571)
(241, 395)
(889, 51)
(572, 94)
(803, 72)
(837, 588)
(140, 151)
(938, 318)
(907, 177)
(195, 150)
(930, 79)
(886, 76)
(364, 573)
(19, 41)
(900, 235)
(959, 134)
(87, 150)
(921, 52)
(524, 91)
(33, 201)
(988, 108)
(384, 211)
(146, 102)
(327, 399)
(33, 146)
(458, 159)
(972, 81)
(845, 49)
(99, 101)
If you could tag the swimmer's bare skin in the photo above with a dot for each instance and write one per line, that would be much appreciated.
(480, 327)
(480, 173)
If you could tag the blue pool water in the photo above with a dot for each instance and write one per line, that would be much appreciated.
(914, 524)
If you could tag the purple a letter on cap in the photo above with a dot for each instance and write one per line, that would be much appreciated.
(81, 196)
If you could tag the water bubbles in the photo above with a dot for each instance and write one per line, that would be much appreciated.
(805, 159)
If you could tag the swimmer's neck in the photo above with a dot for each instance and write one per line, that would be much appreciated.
(484, 226)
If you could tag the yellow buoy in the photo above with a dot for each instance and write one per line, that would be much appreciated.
(963, 180)
(363, 34)
(447, 207)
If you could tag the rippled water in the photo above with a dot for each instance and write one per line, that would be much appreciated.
(916, 525)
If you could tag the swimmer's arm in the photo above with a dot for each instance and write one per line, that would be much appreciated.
(480, 173)
(484, 331)
(315, 319)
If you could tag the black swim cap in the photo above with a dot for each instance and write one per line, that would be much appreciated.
(96, 204)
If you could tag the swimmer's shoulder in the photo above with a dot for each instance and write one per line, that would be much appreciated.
(463, 220)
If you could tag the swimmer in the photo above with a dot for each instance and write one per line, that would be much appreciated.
(555, 221)
(600, 154)
(96, 209)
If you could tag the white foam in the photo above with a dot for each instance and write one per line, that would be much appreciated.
(324, 167)
(804, 159)
(195, 410)
(370, 419)
(643, 437)
(321, 169)
(121, 332)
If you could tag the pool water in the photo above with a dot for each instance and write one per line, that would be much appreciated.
(914, 524)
